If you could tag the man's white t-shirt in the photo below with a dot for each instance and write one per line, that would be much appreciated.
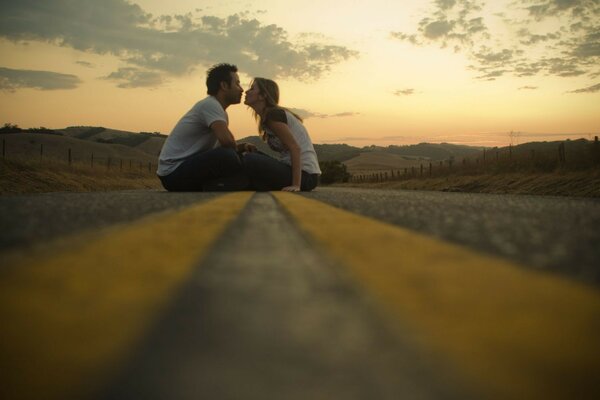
(191, 135)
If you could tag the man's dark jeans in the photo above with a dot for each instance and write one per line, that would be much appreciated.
(219, 169)
(266, 173)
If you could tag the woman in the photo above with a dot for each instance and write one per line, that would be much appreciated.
(284, 133)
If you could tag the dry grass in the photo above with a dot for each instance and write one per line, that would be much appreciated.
(55, 147)
(370, 162)
(568, 183)
(20, 176)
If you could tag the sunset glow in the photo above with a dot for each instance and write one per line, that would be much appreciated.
(378, 72)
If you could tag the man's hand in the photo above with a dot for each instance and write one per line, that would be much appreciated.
(291, 189)
(246, 148)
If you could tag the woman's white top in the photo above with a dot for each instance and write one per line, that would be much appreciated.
(308, 156)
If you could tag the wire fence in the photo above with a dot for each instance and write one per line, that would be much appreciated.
(568, 155)
(70, 157)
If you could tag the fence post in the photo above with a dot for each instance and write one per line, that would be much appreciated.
(421, 169)
(69, 157)
(108, 164)
(121, 167)
(4, 147)
(510, 152)
(41, 151)
(130, 163)
(430, 169)
(92, 161)
(150, 167)
(561, 153)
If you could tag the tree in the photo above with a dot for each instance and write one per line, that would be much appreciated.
(10, 128)
(333, 171)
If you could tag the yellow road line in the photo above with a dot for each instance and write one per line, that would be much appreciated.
(68, 319)
(512, 332)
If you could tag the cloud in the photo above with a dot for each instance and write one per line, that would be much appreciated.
(404, 92)
(369, 139)
(305, 114)
(528, 38)
(85, 64)
(436, 29)
(518, 46)
(169, 44)
(528, 88)
(130, 77)
(492, 75)
(548, 8)
(405, 37)
(344, 114)
(590, 89)
(13, 79)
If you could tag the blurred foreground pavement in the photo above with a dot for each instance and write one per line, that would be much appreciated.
(156, 295)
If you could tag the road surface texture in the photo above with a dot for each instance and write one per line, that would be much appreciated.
(334, 294)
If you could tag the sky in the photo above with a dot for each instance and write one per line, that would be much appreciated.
(484, 73)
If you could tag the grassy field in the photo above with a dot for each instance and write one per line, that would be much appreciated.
(366, 163)
(559, 183)
(568, 168)
(107, 159)
(36, 146)
(19, 176)
(33, 177)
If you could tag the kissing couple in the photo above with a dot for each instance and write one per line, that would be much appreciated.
(201, 153)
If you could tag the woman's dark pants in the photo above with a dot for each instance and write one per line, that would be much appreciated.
(266, 173)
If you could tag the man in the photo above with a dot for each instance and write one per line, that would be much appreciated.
(201, 153)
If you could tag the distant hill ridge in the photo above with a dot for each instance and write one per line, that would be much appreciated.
(325, 152)
(356, 158)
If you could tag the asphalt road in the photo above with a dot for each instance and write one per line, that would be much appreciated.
(554, 234)
(32, 219)
(269, 309)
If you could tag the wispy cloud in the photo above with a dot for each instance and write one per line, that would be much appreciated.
(133, 77)
(529, 48)
(169, 44)
(13, 79)
(85, 64)
(404, 92)
(528, 88)
(309, 114)
(590, 89)
(344, 114)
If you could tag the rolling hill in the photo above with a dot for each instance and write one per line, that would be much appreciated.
(144, 147)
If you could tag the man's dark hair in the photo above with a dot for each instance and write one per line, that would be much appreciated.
(217, 74)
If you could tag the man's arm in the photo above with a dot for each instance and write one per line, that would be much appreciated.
(223, 134)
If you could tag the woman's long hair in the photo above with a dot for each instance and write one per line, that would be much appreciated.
(270, 91)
